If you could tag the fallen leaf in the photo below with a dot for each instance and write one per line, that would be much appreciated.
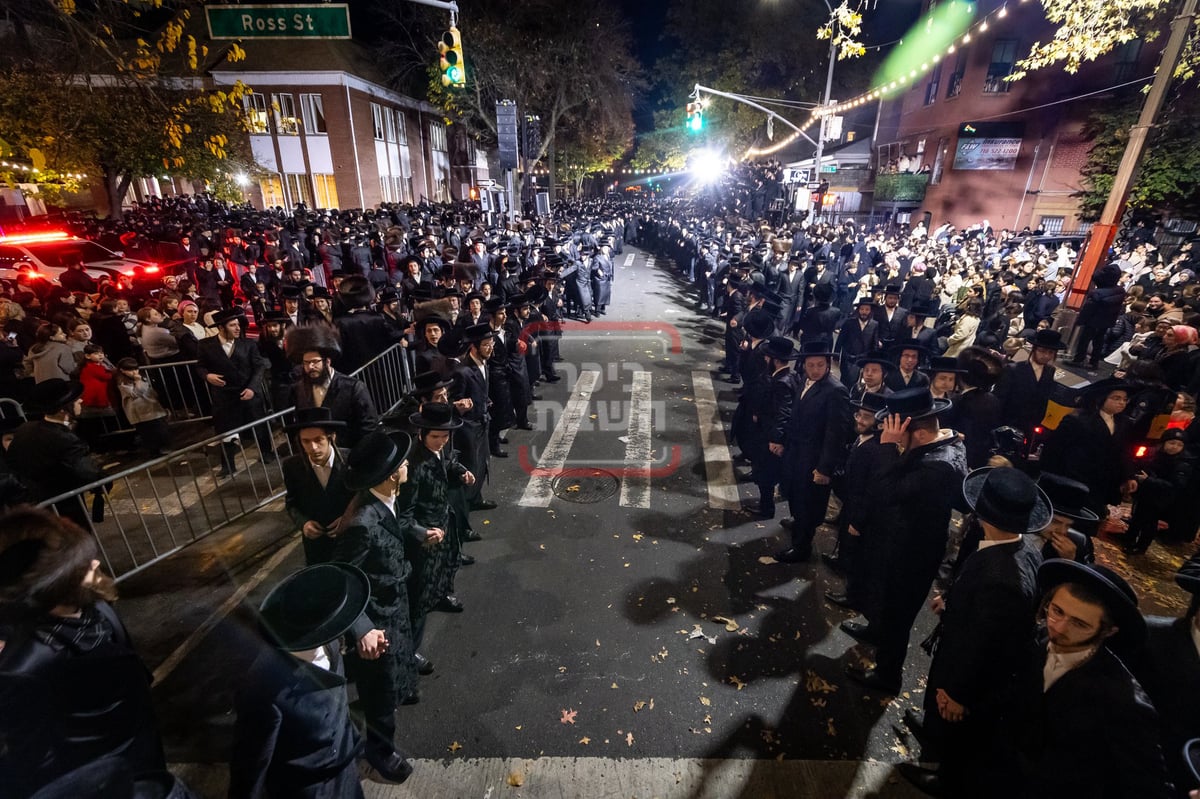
(766, 560)
(597, 642)
(815, 684)
(455, 746)
(541, 546)
(735, 681)
(629, 739)
(704, 700)
(614, 685)
(573, 488)
(830, 730)
(562, 669)
(568, 716)
(652, 703)
(516, 779)
(638, 536)
(638, 705)
(670, 600)
(585, 740)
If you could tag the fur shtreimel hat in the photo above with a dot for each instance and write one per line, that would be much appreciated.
(312, 338)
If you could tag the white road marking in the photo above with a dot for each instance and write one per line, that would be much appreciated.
(628, 260)
(192, 641)
(635, 485)
(718, 462)
(539, 491)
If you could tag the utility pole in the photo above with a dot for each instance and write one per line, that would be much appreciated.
(1105, 231)
(816, 178)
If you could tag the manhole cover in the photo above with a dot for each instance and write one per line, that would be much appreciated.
(586, 486)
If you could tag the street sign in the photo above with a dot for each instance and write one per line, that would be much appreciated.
(814, 186)
(829, 167)
(323, 21)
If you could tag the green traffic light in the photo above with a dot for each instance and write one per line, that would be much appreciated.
(696, 123)
(454, 74)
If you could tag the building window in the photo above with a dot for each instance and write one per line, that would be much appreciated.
(437, 137)
(401, 128)
(939, 163)
(1004, 55)
(1127, 57)
(256, 113)
(286, 121)
(314, 114)
(1051, 225)
(326, 191)
(935, 80)
(954, 85)
(272, 191)
(298, 188)
(377, 119)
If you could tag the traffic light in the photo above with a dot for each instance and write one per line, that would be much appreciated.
(452, 64)
(695, 112)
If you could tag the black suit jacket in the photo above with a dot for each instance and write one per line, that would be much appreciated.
(348, 400)
(49, 459)
(854, 339)
(891, 330)
(307, 501)
(1170, 673)
(1083, 449)
(1023, 397)
(817, 427)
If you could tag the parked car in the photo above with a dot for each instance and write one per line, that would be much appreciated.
(45, 256)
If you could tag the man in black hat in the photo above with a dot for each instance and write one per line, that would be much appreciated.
(603, 272)
(471, 384)
(977, 410)
(907, 372)
(858, 336)
(873, 369)
(922, 468)
(768, 406)
(372, 538)
(364, 333)
(1097, 733)
(1025, 387)
(1069, 499)
(816, 427)
(314, 480)
(1170, 673)
(234, 372)
(985, 640)
(314, 348)
(890, 315)
(294, 736)
(915, 331)
(47, 456)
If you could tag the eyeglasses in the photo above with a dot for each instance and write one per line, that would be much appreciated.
(313, 361)
(1055, 613)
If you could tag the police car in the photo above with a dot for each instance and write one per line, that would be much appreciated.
(28, 257)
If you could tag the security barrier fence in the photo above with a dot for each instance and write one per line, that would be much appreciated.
(148, 512)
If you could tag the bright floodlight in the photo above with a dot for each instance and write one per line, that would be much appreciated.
(708, 167)
(242, 179)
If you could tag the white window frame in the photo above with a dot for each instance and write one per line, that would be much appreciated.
(377, 120)
(287, 123)
(258, 116)
(401, 127)
(312, 109)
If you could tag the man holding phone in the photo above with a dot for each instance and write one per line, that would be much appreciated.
(317, 495)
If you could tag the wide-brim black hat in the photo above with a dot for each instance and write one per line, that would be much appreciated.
(1104, 387)
(452, 344)
(758, 323)
(780, 348)
(374, 458)
(314, 606)
(435, 416)
(473, 334)
(815, 349)
(1068, 497)
(356, 292)
(430, 381)
(276, 317)
(911, 344)
(225, 315)
(433, 319)
(54, 394)
(875, 357)
(913, 403)
(870, 401)
(1119, 597)
(314, 417)
(1007, 498)
(1050, 339)
(942, 363)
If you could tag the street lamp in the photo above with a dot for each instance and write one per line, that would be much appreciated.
(825, 102)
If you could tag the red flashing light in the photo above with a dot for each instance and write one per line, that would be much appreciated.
(1141, 451)
(1039, 430)
(151, 270)
(31, 238)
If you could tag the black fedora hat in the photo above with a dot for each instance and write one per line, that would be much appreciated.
(314, 417)
(374, 458)
(435, 416)
(226, 315)
(387, 295)
(1103, 387)
(1007, 498)
(942, 363)
(275, 317)
(1068, 497)
(892, 288)
(913, 403)
(289, 291)
(1050, 339)
(875, 357)
(815, 349)
(870, 401)
(428, 382)
(54, 394)
(1118, 596)
(898, 347)
(926, 308)
(452, 344)
(779, 347)
(433, 319)
(758, 323)
(473, 334)
(864, 299)
(314, 606)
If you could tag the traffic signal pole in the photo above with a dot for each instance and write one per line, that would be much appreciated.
(1104, 232)
(824, 120)
(450, 6)
(740, 99)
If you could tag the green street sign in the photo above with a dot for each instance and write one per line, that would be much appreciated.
(829, 167)
(324, 21)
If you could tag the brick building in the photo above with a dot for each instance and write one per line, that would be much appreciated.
(327, 132)
(963, 145)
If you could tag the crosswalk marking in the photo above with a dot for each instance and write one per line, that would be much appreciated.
(635, 487)
(628, 260)
(539, 490)
(718, 463)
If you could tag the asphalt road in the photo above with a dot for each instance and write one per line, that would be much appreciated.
(627, 610)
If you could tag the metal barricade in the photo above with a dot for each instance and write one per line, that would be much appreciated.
(182, 392)
(145, 513)
(10, 408)
(388, 377)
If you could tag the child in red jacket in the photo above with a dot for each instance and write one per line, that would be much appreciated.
(95, 375)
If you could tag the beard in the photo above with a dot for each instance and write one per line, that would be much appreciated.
(319, 379)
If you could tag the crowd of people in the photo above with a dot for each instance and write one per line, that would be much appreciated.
(909, 373)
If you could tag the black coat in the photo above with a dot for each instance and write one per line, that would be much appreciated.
(975, 414)
(854, 339)
(365, 334)
(307, 501)
(348, 400)
(294, 737)
(424, 502)
(1023, 397)
(243, 369)
(818, 323)
(1169, 671)
(1083, 449)
(73, 691)
(891, 330)
(816, 429)
(1097, 735)
(894, 380)
(49, 459)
